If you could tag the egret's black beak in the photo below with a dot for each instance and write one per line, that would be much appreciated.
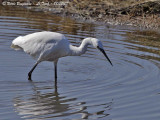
(104, 54)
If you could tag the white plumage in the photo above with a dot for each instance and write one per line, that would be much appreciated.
(50, 46)
(43, 45)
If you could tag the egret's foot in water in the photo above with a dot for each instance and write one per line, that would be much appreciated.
(29, 76)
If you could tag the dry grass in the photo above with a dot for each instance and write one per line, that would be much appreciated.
(135, 12)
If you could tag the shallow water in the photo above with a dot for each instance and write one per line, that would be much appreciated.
(88, 86)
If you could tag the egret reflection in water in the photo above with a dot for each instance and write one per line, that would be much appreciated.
(41, 103)
(50, 104)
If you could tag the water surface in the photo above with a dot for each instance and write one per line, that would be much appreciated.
(88, 86)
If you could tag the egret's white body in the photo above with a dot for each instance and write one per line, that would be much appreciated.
(45, 46)
(50, 46)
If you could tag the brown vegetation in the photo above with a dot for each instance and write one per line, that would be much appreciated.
(144, 13)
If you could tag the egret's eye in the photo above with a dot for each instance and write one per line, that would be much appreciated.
(98, 47)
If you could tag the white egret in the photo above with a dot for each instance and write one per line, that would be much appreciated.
(50, 46)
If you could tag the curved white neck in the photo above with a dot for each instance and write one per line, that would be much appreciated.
(76, 51)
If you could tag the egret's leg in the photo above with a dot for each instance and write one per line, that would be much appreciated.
(30, 73)
(55, 70)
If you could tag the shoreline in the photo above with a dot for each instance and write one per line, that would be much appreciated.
(145, 14)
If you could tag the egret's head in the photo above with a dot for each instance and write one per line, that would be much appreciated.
(95, 42)
(98, 44)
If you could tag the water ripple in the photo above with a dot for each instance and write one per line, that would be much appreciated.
(88, 87)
